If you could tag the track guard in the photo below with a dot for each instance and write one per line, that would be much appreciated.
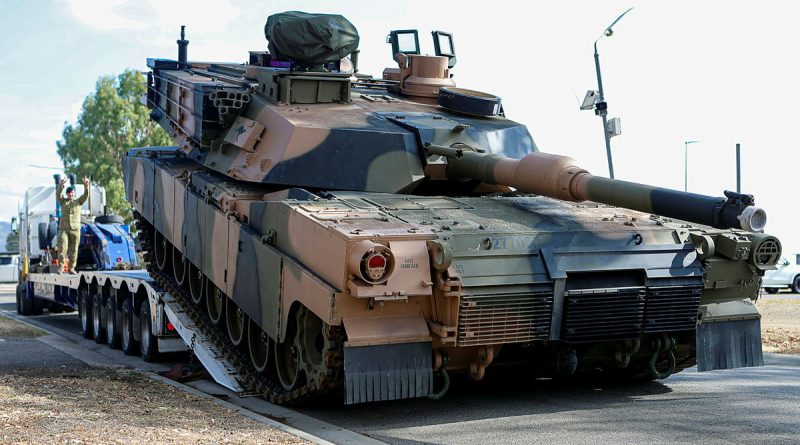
(387, 372)
(729, 336)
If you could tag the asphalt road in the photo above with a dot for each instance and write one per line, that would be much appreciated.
(747, 406)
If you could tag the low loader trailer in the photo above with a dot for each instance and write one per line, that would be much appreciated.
(128, 310)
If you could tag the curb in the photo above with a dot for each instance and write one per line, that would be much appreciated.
(244, 411)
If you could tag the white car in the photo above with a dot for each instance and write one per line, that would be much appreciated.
(786, 276)
(8, 268)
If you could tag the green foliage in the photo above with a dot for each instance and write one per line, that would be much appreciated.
(12, 242)
(111, 122)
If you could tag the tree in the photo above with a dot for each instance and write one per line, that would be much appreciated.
(112, 121)
(12, 242)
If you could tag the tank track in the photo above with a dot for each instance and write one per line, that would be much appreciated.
(256, 383)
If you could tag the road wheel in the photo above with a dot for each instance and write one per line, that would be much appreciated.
(129, 344)
(287, 356)
(98, 329)
(771, 290)
(258, 346)
(179, 266)
(85, 313)
(215, 302)
(112, 328)
(161, 251)
(148, 344)
(236, 321)
(195, 284)
(796, 285)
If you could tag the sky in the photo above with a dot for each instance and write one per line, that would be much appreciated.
(718, 72)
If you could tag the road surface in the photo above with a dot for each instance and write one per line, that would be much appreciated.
(746, 406)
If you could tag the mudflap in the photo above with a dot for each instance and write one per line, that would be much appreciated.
(387, 372)
(729, 336)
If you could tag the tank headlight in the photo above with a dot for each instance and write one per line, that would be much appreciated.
(766, 251)
(371, 262)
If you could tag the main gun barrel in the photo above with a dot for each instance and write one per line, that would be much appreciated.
(561, 177)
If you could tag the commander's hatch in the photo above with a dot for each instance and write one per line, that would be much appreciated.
(443, 46)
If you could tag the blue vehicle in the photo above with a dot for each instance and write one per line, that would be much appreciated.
(105, 244)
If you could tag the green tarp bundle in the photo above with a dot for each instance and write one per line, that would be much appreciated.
(310, 38)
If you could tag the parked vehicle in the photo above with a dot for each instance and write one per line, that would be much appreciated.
(785, 276)
(8, 268)
(105, 244)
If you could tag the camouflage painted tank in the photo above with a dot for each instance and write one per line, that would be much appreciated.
(342, 232)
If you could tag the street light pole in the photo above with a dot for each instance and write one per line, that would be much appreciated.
(686, 164)
(601, 107)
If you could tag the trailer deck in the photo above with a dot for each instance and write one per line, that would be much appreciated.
(170, 324)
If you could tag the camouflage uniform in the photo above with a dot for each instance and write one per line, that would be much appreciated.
(69, 227)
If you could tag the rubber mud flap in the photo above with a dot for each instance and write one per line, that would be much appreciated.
(387, 372)
(729, 344)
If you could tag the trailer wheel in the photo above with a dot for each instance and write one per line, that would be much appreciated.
(129, 344)
(27, 302)
(98, 331)
(85, 313)
(24, 302)
(19, 300)
(37, 305)
(148, 344)
(112, 327)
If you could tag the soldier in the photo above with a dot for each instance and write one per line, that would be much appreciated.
(69, 227)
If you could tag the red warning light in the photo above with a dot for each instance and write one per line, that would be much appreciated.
(170, 327)
(377, 261)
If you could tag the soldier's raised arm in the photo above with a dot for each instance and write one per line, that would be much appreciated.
(87, 186)
(60, 191)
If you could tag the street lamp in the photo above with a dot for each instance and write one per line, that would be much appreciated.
(600, 106)
(686, 164)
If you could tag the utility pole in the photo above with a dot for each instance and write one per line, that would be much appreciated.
(738, 168)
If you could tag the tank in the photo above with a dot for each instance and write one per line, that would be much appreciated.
(368, 237)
